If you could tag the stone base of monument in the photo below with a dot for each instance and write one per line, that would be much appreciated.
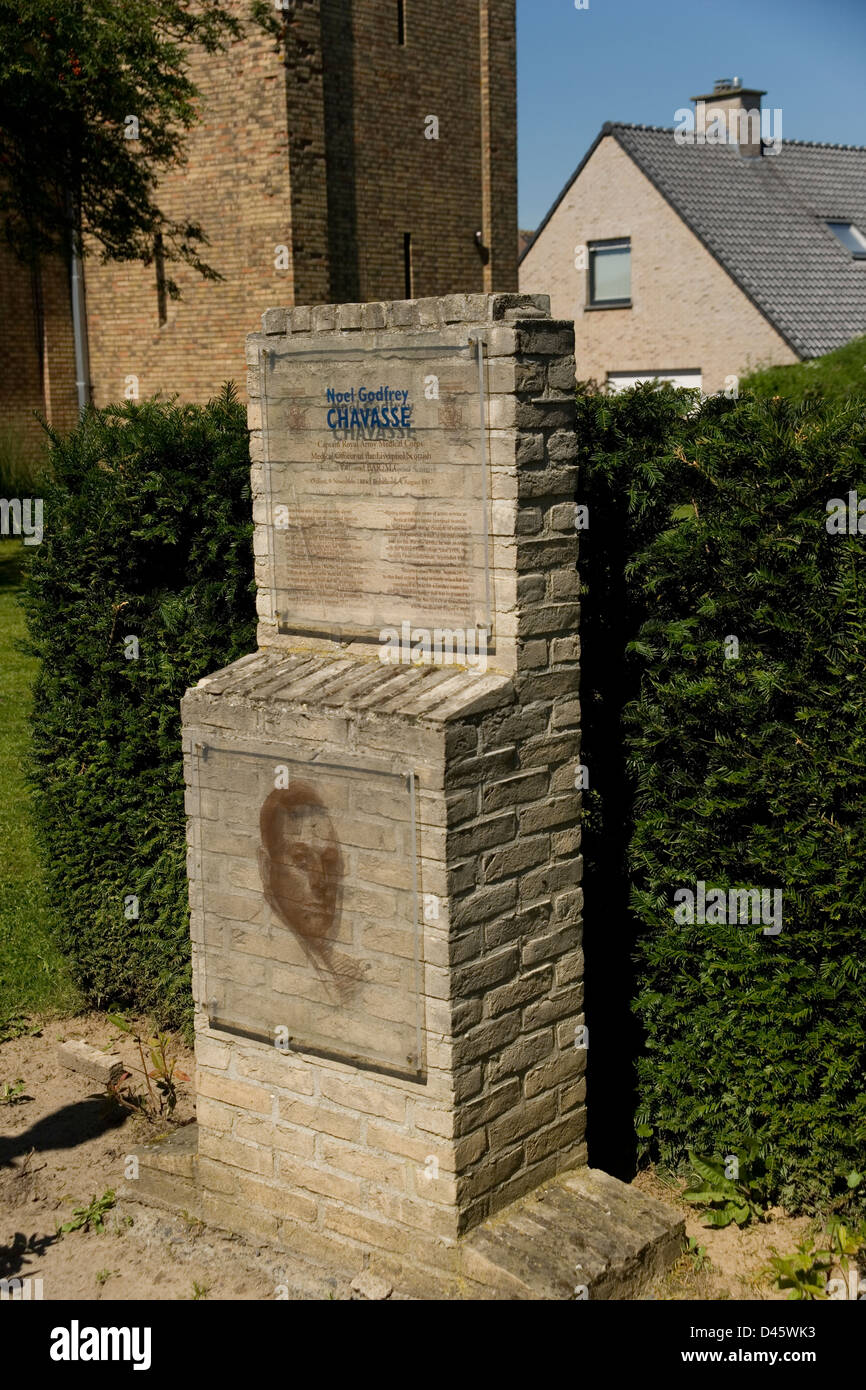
(582, 1235)
(392, 1081)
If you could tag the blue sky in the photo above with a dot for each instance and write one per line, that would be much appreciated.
(639, 60)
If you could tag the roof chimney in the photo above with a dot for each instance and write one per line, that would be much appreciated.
(730, 114)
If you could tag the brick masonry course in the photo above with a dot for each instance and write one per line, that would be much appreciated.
(323, 151)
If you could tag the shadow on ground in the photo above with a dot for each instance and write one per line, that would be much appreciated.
(63, 1129)
(23, 1249)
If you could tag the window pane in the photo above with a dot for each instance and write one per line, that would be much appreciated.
(850, 236)
(611, 273)
(621, 381)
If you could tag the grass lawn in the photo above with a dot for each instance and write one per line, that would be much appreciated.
(34, 978)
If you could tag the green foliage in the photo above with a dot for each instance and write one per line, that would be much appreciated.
(22, 466)
(84, 66)
(12, 1091)
(709, 521)
(91, 1216)
(728, 1199)
(697, 1253)
(147, 533)
(623, 443)
(804, 1273)
(837, 376)
(16, 1025)
(163, 1070)
(845, 1241)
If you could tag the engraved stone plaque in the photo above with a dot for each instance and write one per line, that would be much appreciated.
(376, 487)
(307, 877)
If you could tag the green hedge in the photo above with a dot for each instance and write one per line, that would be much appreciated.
(836, 377)
(148, 533)
(747, 772)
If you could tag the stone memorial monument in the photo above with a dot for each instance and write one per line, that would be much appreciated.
(384, 844)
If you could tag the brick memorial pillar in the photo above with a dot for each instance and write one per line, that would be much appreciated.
(384, 849)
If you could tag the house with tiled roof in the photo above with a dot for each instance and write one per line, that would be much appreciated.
(701, 252)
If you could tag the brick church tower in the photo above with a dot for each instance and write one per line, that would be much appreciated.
(372, 156)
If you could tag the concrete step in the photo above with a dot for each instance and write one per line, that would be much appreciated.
(583, 1235)
(167, 1172)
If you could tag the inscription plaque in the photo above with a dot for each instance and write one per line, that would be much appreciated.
(307, 889)
(376, 488)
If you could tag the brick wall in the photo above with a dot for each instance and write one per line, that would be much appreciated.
(323, 152)
(61, 395)
(326, 155)
(441, 191)
(20, 357)
(499, 142)
(37, 358)
(514, 837)
(236, 183)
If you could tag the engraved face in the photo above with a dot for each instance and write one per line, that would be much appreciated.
(300, 861)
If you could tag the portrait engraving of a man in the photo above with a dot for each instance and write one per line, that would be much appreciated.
(301, 867)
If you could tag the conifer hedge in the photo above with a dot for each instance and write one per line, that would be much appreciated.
(148, 534)
(743, 770)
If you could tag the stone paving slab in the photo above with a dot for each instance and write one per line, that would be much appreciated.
(585, 1228)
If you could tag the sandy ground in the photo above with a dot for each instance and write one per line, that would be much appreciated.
(62, 1144)
(735, 1262)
